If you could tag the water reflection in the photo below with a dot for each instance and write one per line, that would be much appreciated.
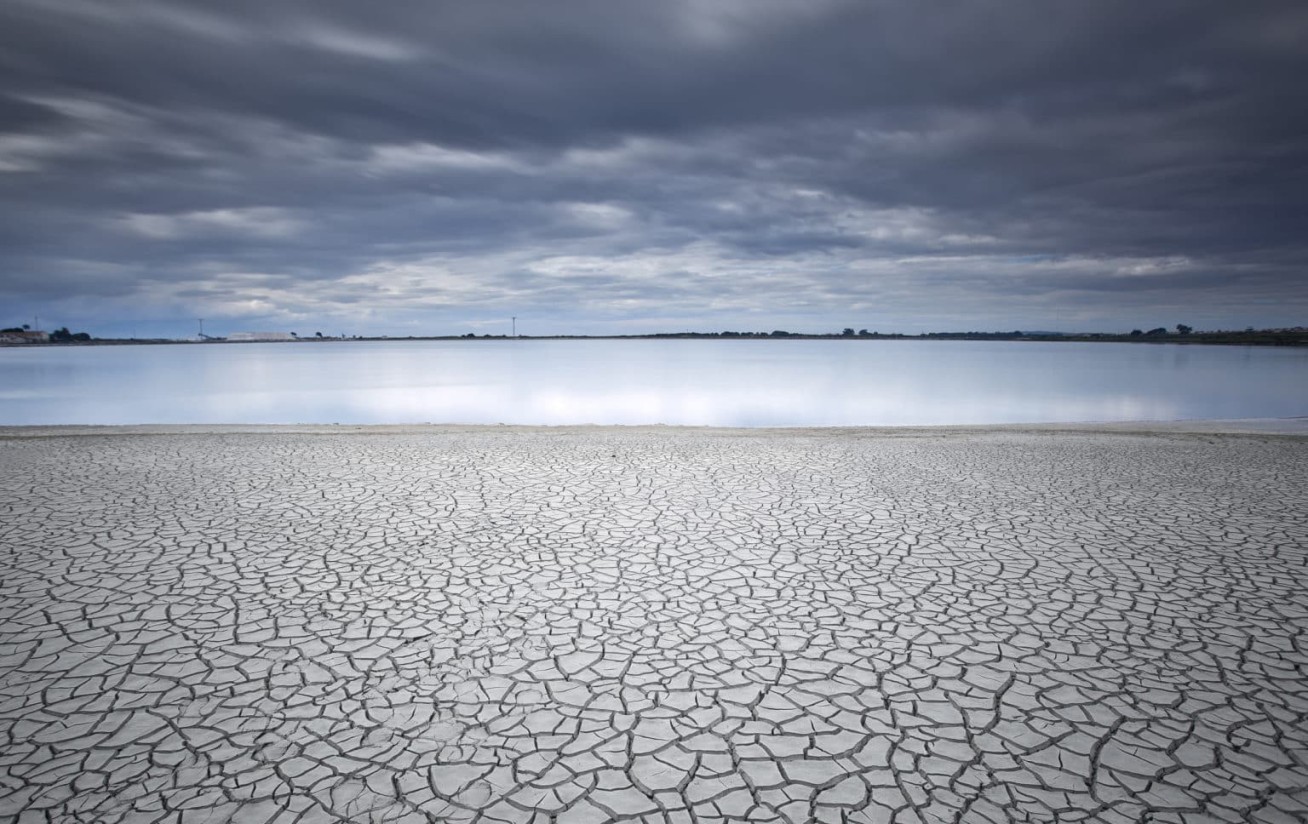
(718, 383)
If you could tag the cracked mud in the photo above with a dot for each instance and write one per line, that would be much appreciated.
(678, 626)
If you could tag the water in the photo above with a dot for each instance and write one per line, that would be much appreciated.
(694, 382)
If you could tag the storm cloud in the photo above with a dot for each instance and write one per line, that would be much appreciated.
(588, 166)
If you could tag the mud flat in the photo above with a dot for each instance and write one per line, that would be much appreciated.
(315, 624)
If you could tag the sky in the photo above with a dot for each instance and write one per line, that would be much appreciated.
(601, 166)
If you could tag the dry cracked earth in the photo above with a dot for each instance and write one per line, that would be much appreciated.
(500, 625)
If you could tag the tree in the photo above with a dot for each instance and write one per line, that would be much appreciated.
(847, 332)
(1182, 329)
(1160, 330)
(317, 334)
(1135, 333)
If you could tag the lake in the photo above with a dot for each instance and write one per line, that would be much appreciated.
(690, 382)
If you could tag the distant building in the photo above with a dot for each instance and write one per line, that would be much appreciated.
(25, 336)
(262, 336)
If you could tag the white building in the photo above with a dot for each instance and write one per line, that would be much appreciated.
(249, 336)
(25, 336)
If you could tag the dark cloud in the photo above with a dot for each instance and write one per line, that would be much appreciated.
(706, 162)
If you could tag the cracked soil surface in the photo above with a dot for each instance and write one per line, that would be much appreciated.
(503, 625)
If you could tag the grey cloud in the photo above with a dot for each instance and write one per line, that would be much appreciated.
(759, 158)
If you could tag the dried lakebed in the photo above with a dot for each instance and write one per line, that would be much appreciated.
(586, 625)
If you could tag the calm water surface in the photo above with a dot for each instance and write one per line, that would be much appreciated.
(720, 383)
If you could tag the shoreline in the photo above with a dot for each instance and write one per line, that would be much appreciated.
(1291, 337)
(1295, 426)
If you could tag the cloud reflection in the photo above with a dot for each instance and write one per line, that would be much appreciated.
(698, 383)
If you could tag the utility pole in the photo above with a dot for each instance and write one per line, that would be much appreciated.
(515, 326)
(201, 328)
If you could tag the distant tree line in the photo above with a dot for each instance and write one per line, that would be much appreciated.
(62, 335)
(1181, 329)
